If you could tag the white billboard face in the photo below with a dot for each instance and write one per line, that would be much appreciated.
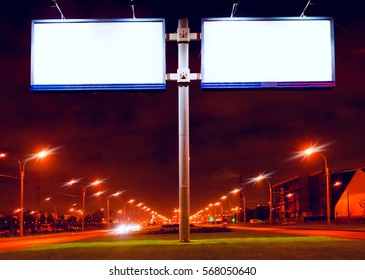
(113, 54)
(267, 53)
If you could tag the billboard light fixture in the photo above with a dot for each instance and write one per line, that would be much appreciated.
(234, 7)
(306, 7)
(58, 8)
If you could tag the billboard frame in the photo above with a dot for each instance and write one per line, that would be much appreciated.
(268, 84)
(98, 86)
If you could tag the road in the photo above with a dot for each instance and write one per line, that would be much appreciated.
(338, 233)
(14, 243)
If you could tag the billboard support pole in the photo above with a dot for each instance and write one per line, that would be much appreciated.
(183, 78)
(183, 81)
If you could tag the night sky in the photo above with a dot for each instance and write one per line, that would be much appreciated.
(131, 139)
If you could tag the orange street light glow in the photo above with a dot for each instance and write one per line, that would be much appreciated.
(337, 184)
(73, 181)
(260, 177)
(116, 194)
(309, 151)
(96, 182)
(44, 153)
(99, 193)
(312, 149)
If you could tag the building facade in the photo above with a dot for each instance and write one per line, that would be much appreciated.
(303, 198)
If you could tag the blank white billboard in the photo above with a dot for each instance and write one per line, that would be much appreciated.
(115, 54)
(267, 52)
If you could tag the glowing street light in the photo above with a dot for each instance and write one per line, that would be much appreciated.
(129, 201)
(337, 184)
(219, 204)
(236, 190)
(264, 177)
(317, 150)
(47, 199)
(107, 197)
(83, 189)
(40, 155)
(134, 208)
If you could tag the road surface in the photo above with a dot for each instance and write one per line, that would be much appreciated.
(14, 243)
(338, 233)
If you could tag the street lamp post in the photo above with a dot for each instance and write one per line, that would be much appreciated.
(265, 177)
(315, 150)
(83, 190)
(134, 209)
(125, 204)
(55, 210)
(220, 204)
(236, 190)
(107, 197)
(244, 208)
(39, 155)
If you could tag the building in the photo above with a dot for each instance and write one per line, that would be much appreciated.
(303, 198)
(351, 203)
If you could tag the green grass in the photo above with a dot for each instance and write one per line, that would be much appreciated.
(234, 245)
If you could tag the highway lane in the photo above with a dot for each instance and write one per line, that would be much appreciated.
(15, 243)
(338, 233)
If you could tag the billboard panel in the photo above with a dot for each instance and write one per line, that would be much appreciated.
(115, 54)
(267, 52)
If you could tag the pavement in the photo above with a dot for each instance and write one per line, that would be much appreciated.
(356, 231)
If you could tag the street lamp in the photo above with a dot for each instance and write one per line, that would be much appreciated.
(237, 190)
(134, 209)
(220, 204)
(40, 155)
(317, 150)
(129, 201)
(83, 189)
(107, 197)
(264, 177)
(55, 209)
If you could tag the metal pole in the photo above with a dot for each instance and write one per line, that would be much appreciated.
(328, 195)
(21, 212)
(83, 208)
(327, 174)
(107, 209)
(348, 206)
(270, 209)
(244, 208)
(124, 212)
(184, 153)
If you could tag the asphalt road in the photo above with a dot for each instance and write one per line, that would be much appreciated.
(14, 243)
(331, 232)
